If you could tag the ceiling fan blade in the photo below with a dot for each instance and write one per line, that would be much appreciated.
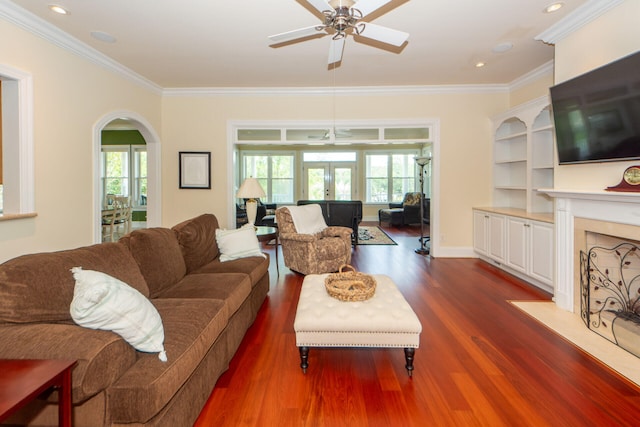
(297, 34)
(320, 5)
(384, 34)
(368, 6)
(335, 50)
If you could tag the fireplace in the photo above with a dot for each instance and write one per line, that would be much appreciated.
(576, 214)
(610, 289)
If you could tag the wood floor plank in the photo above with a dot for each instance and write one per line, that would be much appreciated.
(481, 361)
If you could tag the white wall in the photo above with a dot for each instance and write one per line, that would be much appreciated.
(70, 95)
(610, 37)
(465, 145)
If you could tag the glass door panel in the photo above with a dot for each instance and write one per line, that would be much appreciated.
(329, 181)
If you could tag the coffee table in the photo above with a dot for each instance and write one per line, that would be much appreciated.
(385, 320)
(21, 381)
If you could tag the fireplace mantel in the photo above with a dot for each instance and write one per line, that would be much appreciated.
(599, 205)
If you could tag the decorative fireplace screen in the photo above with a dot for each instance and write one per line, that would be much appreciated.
(610, 293)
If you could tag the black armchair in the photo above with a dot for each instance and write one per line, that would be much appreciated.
(264, 214)
(406, 212)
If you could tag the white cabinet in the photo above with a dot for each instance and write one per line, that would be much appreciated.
(523, 157)
(530, 248)
(489, 234)
(520, 245)
(542, 254)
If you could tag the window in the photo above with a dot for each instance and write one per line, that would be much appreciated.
(388, 176)
(275, 172)
(122, 176)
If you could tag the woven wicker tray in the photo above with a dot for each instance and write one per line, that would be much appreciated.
(350, 285)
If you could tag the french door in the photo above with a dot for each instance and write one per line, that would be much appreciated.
(329, 180)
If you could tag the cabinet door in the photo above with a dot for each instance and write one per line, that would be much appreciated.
(542, 256)
(496, 237)
(480, 225)
(517, 244)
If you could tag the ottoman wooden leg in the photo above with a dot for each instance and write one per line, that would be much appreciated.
(408, 356)
(304, 359)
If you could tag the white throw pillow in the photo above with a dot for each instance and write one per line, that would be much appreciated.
(103, 302)
(239, 243)
(308, 219)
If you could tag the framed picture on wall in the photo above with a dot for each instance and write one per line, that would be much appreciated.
(195, 169)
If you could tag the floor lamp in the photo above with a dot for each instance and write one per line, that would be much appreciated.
(424, 240)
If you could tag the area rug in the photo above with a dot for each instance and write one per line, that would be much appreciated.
(373, 235)
(570, 326)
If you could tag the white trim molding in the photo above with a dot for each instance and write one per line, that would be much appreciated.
(18, 159)
(41, 28)
(580, 17)
(154, 168)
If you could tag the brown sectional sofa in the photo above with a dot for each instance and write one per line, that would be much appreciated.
(206, 307)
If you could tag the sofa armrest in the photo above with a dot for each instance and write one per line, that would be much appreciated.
(102, 357)
(395, 205)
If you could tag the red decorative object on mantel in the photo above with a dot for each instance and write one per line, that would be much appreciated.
(630, 180)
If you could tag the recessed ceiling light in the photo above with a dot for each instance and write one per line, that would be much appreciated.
(502, 47)
(480, 64)
(58, 9)
(553, 7)
(103, 37)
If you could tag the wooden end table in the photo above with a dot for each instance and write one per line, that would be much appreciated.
(266, 234)
(22, 380)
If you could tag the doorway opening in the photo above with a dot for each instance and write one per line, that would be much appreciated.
(126, 168)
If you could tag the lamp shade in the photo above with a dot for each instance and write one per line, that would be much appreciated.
(422, 161)
(250, 189)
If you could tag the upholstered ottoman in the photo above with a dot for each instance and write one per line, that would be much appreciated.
(394, 216)
(385, 320)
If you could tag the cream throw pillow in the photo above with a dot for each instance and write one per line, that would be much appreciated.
(239, 243)
(104, 302)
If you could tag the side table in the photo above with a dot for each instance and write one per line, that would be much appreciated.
(22, 380)
(266, 234)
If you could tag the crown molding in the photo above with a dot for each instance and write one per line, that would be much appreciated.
(533, 75)
(20, 17)
(333, 91)
(580, 17)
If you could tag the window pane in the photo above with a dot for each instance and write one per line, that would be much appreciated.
(258, 134)
(343, 183)
(338, 156)
(274, 173)
(116, 177)
(307, 135)
(377, 179)
(406, 133)
(316, 183)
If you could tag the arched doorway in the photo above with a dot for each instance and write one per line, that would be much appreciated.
(153, 199)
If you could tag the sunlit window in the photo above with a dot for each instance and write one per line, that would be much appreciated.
(124, 172)
(274, 172)
(388, 176)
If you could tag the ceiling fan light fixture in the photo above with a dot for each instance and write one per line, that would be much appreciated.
(336, 4)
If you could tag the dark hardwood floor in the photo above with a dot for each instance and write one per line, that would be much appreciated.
(481, 361)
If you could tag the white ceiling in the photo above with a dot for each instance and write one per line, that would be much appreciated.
(215, 44)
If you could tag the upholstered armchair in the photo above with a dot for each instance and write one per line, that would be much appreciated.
(322, 251)
(406, 212)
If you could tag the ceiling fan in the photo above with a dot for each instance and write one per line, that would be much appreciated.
(341, 18)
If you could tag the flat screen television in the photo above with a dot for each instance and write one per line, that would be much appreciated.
(597, 114)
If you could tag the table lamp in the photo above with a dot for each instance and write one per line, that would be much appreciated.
(251, 190)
